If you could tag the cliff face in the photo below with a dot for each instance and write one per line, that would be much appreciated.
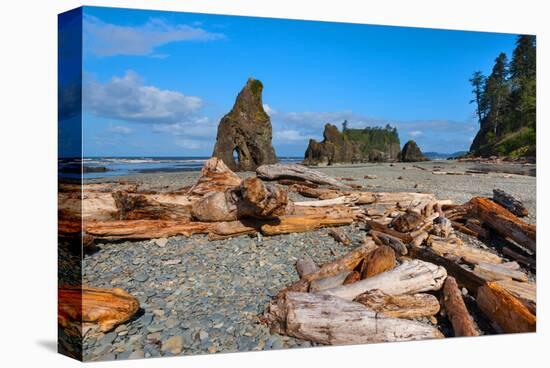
(353, 145)
(244, 134)
(411, 153)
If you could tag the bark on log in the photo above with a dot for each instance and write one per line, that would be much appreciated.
(494, 272)
(132, 206)
(346, 263)
(504, 222)
(332, 321)
(352, 277)
(297, 224)
(305, 266)
(526, 292)
(296, 172)
(400, 306)
(528, 262)
(380, 260)
(328, 282)
(457, 248)
(385, 239)
(501, 307)
(408, 278)
(228, 229)
(463, 324)
(106, 307)
(340, 236)
(508, 201)
(143, 229)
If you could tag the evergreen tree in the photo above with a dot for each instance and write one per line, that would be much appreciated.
(344, 126)
(496, 93)
(523, 71)
(478, 81)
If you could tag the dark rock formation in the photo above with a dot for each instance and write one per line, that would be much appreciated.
(353, 145)
(411, 153)
(244, 134)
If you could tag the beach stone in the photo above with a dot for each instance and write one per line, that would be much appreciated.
(174, 345)
(161, 242)
(137, 354)
(141, 277)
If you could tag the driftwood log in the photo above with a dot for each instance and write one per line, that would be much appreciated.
(105, 307)
(495, 272)
(380, 260)
(339, 236)
(501, 307)
(508, 201)
(295, 172)
(526, 292)
(455, 247)
(408, 278)
(328, 282)
(252, 198)
(400, 306)
(297, 224)
(504, 222)
(463, 324)
(384, 239)
(332, 321)
(143, 229)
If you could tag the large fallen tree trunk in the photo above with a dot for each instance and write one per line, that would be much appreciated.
(408, 278)
(215, 177)
(296, 172)
(332, 321)
(504, 222)
(252, 198)
(143, 229)
(106, 307)
(400, 306)
(463, 324)
(504, 309)
(328, 282)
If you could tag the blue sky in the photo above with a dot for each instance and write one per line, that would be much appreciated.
(157, 83)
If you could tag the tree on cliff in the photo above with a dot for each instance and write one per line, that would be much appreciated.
(506, 103)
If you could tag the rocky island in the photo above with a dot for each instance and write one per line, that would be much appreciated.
(371, 144)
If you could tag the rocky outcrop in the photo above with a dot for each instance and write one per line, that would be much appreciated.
(411, 153)
(244, 134)
(353, 145)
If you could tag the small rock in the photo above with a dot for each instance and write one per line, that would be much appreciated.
(174, 345)
(161, 242)
(138, 354)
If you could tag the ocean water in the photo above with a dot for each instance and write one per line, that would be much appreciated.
(124, 166)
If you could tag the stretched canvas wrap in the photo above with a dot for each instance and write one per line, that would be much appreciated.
(232, 184)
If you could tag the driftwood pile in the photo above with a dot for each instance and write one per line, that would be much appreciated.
(410, 267)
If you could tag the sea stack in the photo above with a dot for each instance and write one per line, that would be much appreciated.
(371, 144)
(411, 153)
(244, 134)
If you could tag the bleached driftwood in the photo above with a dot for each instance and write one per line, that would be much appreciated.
(457, 248)
(504, 309)
(296, 224)
(295, 171)
(399, 306)
(328, 282)
(494, 272)
(215, 177)
(332, 321)
(143, 229)
(408, 278)
(463, 324)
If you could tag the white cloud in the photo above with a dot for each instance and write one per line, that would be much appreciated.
(415, 133)
(289, 135)
(107, 39)
(199, 127)
(119, 129)
(127, 98)
(269, 110)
